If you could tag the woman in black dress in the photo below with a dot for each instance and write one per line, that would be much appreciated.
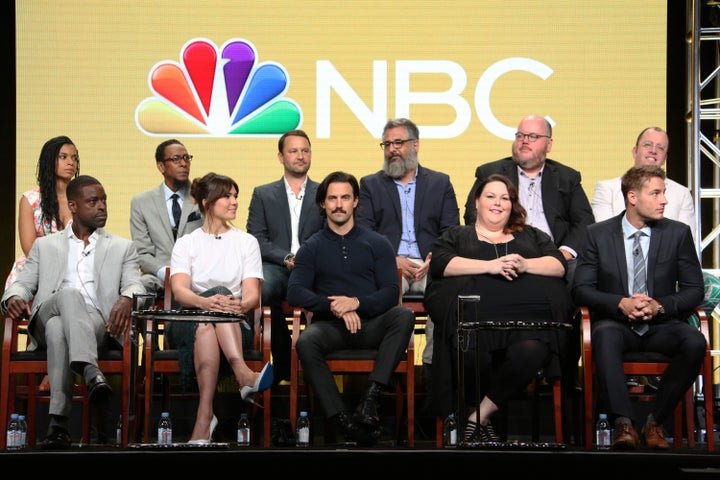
(519, 274)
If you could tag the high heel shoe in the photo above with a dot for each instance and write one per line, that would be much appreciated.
(263, 382)
(206, 441)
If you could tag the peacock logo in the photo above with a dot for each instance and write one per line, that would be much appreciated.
(215, 92)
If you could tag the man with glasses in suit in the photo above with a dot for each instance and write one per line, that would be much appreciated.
(162, 214)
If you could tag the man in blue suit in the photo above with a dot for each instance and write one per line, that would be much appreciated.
(639, 275)
(282, 215)
(411, 205)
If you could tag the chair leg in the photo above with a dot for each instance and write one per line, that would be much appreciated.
(557, 407)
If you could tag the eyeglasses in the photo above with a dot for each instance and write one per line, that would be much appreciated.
(397, 143)
(176, 159)
(658, 146)
(532, 137)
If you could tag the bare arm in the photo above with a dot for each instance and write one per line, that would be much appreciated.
(26, 225)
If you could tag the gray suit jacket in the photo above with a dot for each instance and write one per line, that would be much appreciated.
(116, 272)
(269, 219)
(152, 233)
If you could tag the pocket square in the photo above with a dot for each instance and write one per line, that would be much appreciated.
(193, 216)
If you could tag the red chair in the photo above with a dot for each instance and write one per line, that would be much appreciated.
(21, 371)
(158, 361)
(650, 364)
(357, 361)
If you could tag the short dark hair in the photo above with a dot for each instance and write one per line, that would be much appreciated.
(160, 150)
(210, 188)
(335, 177)
(635, 178)
(292, 133)
(77, 183)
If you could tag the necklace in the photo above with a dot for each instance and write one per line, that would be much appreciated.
(497, 254)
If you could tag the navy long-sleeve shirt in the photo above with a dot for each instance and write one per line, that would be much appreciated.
(359, 264)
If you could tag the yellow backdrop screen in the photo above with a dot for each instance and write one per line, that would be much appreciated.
(228, 77)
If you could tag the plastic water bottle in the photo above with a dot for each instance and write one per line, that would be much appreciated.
(12, 437)
(118, 431)
(450, 429)
(602, 433)
(23, 430)
(243, 431)
(165, 429)
(302, 430)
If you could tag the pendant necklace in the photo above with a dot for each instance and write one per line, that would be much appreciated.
(497, 254)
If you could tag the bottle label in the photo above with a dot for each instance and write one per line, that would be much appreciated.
(602, 438)
(453, 437)
(304, 436)
(243, 436)
(164, 435)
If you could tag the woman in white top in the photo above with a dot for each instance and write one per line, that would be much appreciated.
(216, 268)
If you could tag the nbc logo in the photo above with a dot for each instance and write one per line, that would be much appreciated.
(218, 92)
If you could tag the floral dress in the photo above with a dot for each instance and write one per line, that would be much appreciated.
(42, 228)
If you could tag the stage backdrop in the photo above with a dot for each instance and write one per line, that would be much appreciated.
(228, 77)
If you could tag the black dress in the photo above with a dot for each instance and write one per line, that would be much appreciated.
(527, 297)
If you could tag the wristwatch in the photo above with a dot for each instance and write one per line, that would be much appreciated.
(660, 310)
(289, 256)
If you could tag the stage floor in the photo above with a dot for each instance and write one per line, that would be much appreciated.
(568, 462)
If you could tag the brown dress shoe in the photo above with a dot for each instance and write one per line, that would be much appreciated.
(624, 437)
(654, 436)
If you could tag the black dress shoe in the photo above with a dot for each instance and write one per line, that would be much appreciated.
(98, 389)
(57, 439)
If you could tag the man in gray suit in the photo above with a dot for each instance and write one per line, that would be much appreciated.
(153, 225)
(81, 282)
(282, 215)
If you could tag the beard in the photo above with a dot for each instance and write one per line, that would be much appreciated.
(398, 168)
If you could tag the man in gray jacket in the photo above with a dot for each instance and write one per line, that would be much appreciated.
(76, 288)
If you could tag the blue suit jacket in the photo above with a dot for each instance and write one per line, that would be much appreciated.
(269, 219)
(436, 207)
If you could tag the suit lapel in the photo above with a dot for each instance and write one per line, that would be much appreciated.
(388, 184)
(281, 200)
(308, 203)
(656, 239)
(617, 240)
(161, 212)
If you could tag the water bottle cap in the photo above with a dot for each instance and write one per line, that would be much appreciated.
(243, 415)
(14, 415)
(21, 417)
(603, 416)
(303, 414)
(165, 414)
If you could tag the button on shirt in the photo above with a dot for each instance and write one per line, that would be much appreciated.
(80, 270)
(408, 242)
(169, 203)
(295, 204)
